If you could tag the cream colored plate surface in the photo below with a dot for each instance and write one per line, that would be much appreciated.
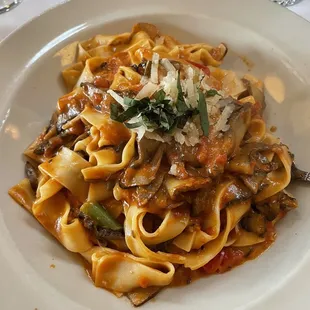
(274, 39)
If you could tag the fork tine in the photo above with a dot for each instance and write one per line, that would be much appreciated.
(300, 175)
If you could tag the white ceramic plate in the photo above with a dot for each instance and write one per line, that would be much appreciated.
(274, 39)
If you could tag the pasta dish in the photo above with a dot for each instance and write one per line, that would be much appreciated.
(157, 167)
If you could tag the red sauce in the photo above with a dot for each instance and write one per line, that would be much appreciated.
(78, 100)
(101, 81)
(227, 259)
(212, 153)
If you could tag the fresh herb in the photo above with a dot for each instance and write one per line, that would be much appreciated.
(212, 93)
(134, 125)
(160, 95)
(124, 116)
(203, 112)
(158, 113)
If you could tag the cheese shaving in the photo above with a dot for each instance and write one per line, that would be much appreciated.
(154, 68)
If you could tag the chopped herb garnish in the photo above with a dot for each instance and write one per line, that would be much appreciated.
(157, 113)
(203, 112)
(212, 93)
(134, 125)
(160, 95)
(125, 115)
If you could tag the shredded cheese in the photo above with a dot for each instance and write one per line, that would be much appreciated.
(147, 91)
(117, 97)
(154, 68)
(167, 65)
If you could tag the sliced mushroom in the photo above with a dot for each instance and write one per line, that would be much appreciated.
(139, 296)
(272, 206)
(237, 191)
(146, 149)
(252, 158)
(63, 118)
(239, 123)
(32, 174)
(254, 181)
(145, 193)
(175, 186)
(255, 223)
(146, 173)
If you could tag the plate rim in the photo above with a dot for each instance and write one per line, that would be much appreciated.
(37, 19)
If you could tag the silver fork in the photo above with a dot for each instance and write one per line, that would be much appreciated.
(300, 175)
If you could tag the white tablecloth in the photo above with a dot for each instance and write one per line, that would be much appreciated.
(31, 8)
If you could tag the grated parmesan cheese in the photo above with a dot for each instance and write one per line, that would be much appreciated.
(173, 170)
(147, 91)
(169, 85)
(117, 97)
(221, 124)
(188, 135)
(167, 65)
(154, 68)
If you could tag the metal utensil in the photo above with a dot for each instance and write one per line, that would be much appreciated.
(300, 175)
(7, 5)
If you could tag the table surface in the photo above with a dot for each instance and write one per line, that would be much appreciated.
(28, 9)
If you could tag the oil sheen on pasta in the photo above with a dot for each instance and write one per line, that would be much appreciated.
(157, 166)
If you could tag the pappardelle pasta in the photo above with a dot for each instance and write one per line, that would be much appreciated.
(157, 167)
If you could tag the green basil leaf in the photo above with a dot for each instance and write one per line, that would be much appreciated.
(203, 112)
(124, 116)
(134, 125)
(160, 95)
(130, 102)
(149, 123)
(212, 93)
(115, 110)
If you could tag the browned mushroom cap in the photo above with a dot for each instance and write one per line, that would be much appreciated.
(147, 171)
(253, 182)
(272, 206)
(239, 123)
(145, 193)
(139, 296)
(146, 149)
(252, 158)
(254, 222)
(32, 174)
